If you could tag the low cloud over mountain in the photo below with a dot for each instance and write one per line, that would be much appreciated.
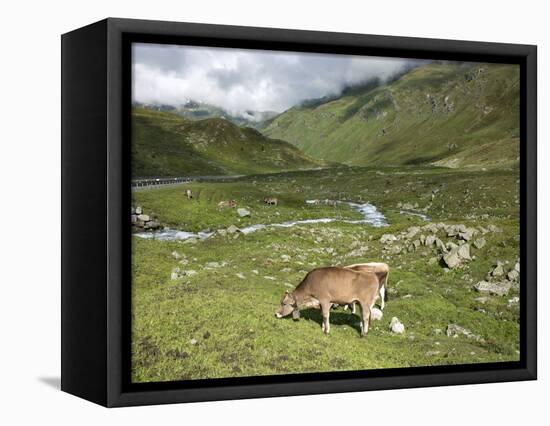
(238, 80)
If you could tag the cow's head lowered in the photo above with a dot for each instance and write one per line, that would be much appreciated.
(288, 306)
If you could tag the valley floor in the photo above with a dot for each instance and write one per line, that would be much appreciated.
(206, 308)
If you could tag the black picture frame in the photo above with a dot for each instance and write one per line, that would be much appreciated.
(95, 293)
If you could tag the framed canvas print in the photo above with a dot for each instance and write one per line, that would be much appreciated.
(253, 212)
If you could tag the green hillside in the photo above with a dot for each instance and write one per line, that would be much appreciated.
(164, 144)
(202, 110)
(453, 115)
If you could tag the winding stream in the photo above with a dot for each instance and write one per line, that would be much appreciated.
(370, 213)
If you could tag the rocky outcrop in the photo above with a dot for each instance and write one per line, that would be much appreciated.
(143, 221)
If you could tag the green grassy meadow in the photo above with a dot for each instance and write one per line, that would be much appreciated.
(219, 320)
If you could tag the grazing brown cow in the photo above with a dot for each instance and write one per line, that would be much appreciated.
(323, 287)
(271, 201)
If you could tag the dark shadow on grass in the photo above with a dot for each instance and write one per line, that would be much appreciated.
(336, 318)
(53, 382)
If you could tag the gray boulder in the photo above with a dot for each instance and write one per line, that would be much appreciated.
(396, 326)
(430, 240)
(388, 238)
(468, 234)
(452, 259)
(243, 212)
(232, 229)
(454, 330)
(412, 231)
(498, 271)
(464, 251)
(513, 275)
(479, 243)
(498, 288)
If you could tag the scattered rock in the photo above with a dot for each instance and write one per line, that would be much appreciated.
(194, 342)
(176, 255)
(432, 353)
(232, 229)
(440, 245)
(467, 234)
(175, 274)
(498, 288)
(240, 275)
(464, 251)
(479, 243)
(214, 265)
(498, 271)
(411, 232)
(513, 301)
(452, 259)
(139, 210)
(242, 212)
(144, 217)
(493, 228)
(513, 275)
(396, 326)
(430, 240)
(376, 314)
(285, 258)
(388, 238)
(454, 330)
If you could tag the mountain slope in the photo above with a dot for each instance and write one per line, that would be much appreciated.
(439, 113)
(164, 144)
(201, 111)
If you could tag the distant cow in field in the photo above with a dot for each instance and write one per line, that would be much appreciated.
(189, 194)
(323, 287)
(227, 204)
(272, 201)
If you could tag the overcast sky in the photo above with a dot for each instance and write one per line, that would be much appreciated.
(238, 80)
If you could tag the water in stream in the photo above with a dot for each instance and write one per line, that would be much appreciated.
(371, 216)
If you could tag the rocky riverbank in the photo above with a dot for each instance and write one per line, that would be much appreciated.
(143, 221)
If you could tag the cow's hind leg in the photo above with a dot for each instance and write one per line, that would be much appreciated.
(325, 310)
(365, 317)
(382, 292)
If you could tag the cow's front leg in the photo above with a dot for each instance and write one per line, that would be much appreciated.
(325, 310)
